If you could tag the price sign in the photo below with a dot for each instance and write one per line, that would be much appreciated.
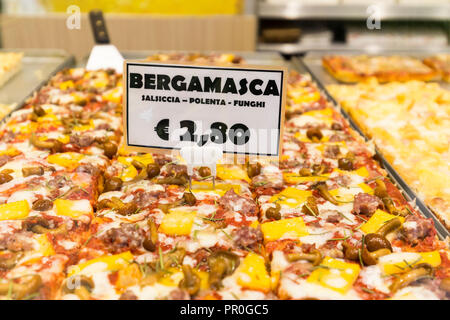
(168, 106)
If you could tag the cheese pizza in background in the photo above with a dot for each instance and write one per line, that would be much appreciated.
(440, 63)
(82, 218)
(360, 68)
(10, 64)
(409, 122)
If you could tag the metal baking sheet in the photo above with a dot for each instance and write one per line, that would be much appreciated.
(37, 68)
(313, 59)
(255, 58)
(407, 192)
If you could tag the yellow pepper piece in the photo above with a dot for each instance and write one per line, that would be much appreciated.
(378, 219)
(365, 188)
(72, 208)
(12, 152)
(295, 178)
(306, 97)
(45, 246)
(362, 172)
(291, 197)
(177, 222)
(14, 210)
(335, 274)
(113, 95)
(232, 173)
(252, 273)
(69, 160)
(403, 261)
(292, 228)
(66, 85)
(128, 173)
(323, 113)
(254, 224)
(108, 263)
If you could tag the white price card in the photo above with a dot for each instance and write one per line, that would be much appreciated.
(168, 106)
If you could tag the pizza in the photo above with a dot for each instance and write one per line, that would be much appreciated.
(83, 218)
(10, 65)
(440, 63)
(359, 68)
(409, 124)
(215, 58)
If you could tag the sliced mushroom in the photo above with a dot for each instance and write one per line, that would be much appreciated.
(151, 238)
(221, 263)
(318, 169)
(40, 225)
(314, 134)
(5, 177)
(165, 207)
(310, 207)
(180, 178)
(253, 169)
(418, 272)
(191, 281)
(112, 184)
(8, 261)
(110, 149)
(323, 190)
(23, 289)
(124, 209)
(350, 252)
(345, 164)
(381, 192)
(371, 258)
(375, 241)
(153, 170)
(34, 140)
(189, 198)
(42, 205)
(315, 257)
(389, 227)
(39, 111)
(32, 171)
(274, 212)
(53, 145)
(80, 285)
(204, 172)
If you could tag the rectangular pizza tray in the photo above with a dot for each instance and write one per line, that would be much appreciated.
(38, 66)
(312, 64)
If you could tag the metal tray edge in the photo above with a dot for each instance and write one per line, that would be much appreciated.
(69, 61)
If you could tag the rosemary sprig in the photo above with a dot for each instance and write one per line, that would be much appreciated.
(344, 216)
(161, 260)
(360, 252)
(212, 219)
(228, 236)
(368, 290)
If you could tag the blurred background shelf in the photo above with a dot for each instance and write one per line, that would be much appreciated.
(300, 10)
